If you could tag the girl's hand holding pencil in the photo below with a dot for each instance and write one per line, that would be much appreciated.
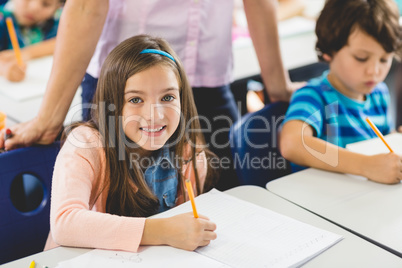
(185, 231)
(181, 231)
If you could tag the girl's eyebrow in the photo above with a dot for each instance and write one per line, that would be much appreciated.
(142, 92)
(133, 91)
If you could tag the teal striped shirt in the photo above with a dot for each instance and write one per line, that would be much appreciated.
(336, 118)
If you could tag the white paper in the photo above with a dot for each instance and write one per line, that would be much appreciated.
(248, 236)
(252, 236)
(34, 84)
(376, 146)
(158, 256)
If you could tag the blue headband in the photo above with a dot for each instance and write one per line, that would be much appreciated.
(157, 51)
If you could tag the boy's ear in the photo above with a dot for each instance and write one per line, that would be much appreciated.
(326, 57)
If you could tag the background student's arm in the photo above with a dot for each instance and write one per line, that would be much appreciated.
(80, 27)
(9, 67)
(298, 145)
(263, 27)
(44, 48)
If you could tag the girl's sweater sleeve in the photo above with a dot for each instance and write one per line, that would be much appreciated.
(77, 214)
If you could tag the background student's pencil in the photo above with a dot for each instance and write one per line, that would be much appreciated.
(14, 41)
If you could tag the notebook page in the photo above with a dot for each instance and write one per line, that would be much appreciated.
(376, 146)
(252, 236)
(34, 84)
(158, 256)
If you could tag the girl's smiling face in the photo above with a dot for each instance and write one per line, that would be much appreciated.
(152, 109)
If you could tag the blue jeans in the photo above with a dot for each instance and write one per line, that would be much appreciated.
(217, 110)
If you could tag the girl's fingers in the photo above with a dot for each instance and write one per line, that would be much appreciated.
(205, 243)
(210, 236)
(209, 226)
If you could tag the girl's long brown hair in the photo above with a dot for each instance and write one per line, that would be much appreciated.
(128, 193)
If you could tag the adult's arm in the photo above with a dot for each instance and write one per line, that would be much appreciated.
(263, 27)
(80, 27)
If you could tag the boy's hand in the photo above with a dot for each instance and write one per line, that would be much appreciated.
(384, 168)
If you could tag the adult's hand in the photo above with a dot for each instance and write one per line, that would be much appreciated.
(81, 20)
(28, 133)
(285, 95)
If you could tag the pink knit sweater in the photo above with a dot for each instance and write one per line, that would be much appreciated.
(78, 215)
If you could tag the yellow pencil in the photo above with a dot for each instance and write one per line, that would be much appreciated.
(378, 133)
(191, 194)
(14, 41)
(32, 265)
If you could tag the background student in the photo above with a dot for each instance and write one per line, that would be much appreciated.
(35, 23)
(330, 111)
(201, 35)
(128, 162)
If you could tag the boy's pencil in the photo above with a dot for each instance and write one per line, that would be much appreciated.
(14, 41)
(378, 133)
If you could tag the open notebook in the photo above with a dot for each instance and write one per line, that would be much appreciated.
(248, 236)
(376, 146)
(34, 84)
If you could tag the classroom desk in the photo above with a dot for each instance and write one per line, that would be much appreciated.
(369, 209)
(296, 50)
(352, 251)
(21, 110)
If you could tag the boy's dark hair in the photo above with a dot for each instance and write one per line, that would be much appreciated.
(339, 18)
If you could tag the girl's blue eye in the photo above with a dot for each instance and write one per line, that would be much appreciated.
(135, 100)
(168, 98)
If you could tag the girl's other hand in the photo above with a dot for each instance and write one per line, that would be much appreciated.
(384, 168)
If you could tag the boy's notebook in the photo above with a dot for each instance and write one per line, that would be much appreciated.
(248, 236)
(34, 84)
(376, 146)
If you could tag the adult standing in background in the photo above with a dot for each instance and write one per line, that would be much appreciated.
(198, 30)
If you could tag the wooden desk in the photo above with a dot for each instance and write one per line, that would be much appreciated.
(352, 251)
(369, 209)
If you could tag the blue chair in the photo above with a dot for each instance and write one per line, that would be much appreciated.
(254, 144)
(25, 184)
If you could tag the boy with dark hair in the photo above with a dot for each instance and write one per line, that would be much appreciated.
(330, 111)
